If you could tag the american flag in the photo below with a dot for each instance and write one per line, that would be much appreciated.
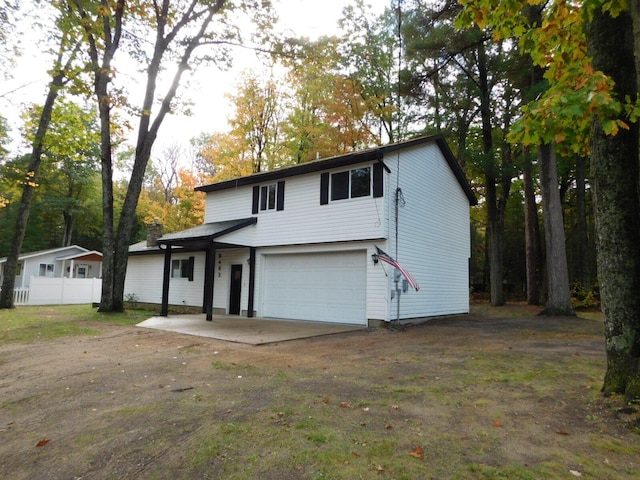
(384, 257)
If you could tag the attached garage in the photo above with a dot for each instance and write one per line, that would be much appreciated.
(323, 287)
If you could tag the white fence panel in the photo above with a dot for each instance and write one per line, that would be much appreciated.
(64, 291)
(21, 296)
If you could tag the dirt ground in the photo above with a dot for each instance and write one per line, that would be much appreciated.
(500, 393)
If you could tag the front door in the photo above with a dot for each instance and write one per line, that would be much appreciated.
(236, 288)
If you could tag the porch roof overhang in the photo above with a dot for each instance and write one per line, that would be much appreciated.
(203, 236)
(92, 256)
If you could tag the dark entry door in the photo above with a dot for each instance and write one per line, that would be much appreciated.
(236, 288)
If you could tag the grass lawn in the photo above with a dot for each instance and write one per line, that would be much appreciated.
(497, 394)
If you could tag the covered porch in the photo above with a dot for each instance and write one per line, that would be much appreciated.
(204, 239)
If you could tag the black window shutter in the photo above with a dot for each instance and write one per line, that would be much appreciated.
(324, 188)
(256, 199)
(192, 261)
(280, 196)
(378, 180)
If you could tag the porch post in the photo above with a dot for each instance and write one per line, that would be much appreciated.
(205, 288)
(252, 280)
(164, 310)
(209, 280)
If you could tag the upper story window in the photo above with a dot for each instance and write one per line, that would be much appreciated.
(354, 183)
(46, 270)
(351, 184)
(268, 197)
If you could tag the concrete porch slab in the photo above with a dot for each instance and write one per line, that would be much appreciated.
(253, 331)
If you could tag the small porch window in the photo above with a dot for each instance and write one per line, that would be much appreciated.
(46, 270)
(182, 268)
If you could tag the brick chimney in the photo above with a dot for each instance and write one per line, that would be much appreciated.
(154, 232)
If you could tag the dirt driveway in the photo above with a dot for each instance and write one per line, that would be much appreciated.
(500, 393)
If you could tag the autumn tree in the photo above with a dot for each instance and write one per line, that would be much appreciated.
(371, 54)
(614, 165)
(62, 73)
(594, 97)
(256, 122)
(177, 34)
(169, 192)
(71, 162)
(328, 113)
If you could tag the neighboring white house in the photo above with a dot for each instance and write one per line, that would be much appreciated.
(68, 262)
(299, 242)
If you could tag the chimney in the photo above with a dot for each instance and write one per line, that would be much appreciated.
(154, 232)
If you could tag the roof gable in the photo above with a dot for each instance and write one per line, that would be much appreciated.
(71, 249)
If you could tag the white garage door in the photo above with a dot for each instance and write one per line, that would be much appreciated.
(325, 287)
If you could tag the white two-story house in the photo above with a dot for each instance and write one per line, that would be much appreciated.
(300, 242)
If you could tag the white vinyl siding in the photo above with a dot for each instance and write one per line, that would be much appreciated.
(433, 233)
(303, 220)
(145, 274)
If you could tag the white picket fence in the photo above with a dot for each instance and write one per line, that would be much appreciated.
(21, 296)
(58, 291)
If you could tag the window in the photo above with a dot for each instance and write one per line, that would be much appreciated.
(359, 182)
(46, 270)
(339, 186)
(182, 268)
(351, 184)
(268, 197)
(19, 269)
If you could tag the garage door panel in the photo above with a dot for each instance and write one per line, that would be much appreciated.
(329, 287)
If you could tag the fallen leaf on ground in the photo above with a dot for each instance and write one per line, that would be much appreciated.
(562, 432)
(575, 473)
(498, 424)
(380, 468)
(345, 404)
(42, 442)
(417, 452)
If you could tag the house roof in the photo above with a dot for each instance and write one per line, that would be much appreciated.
(61, 250)
(206, 232)
(92, 256)
(348, 159)
(195, 238)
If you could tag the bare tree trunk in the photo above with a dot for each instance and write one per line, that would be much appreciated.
(147, 134)
(615, 173)
(532, 233)
(30, 183)
(582, 271)
(67, 234)
(559, 297)
(495, 232)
